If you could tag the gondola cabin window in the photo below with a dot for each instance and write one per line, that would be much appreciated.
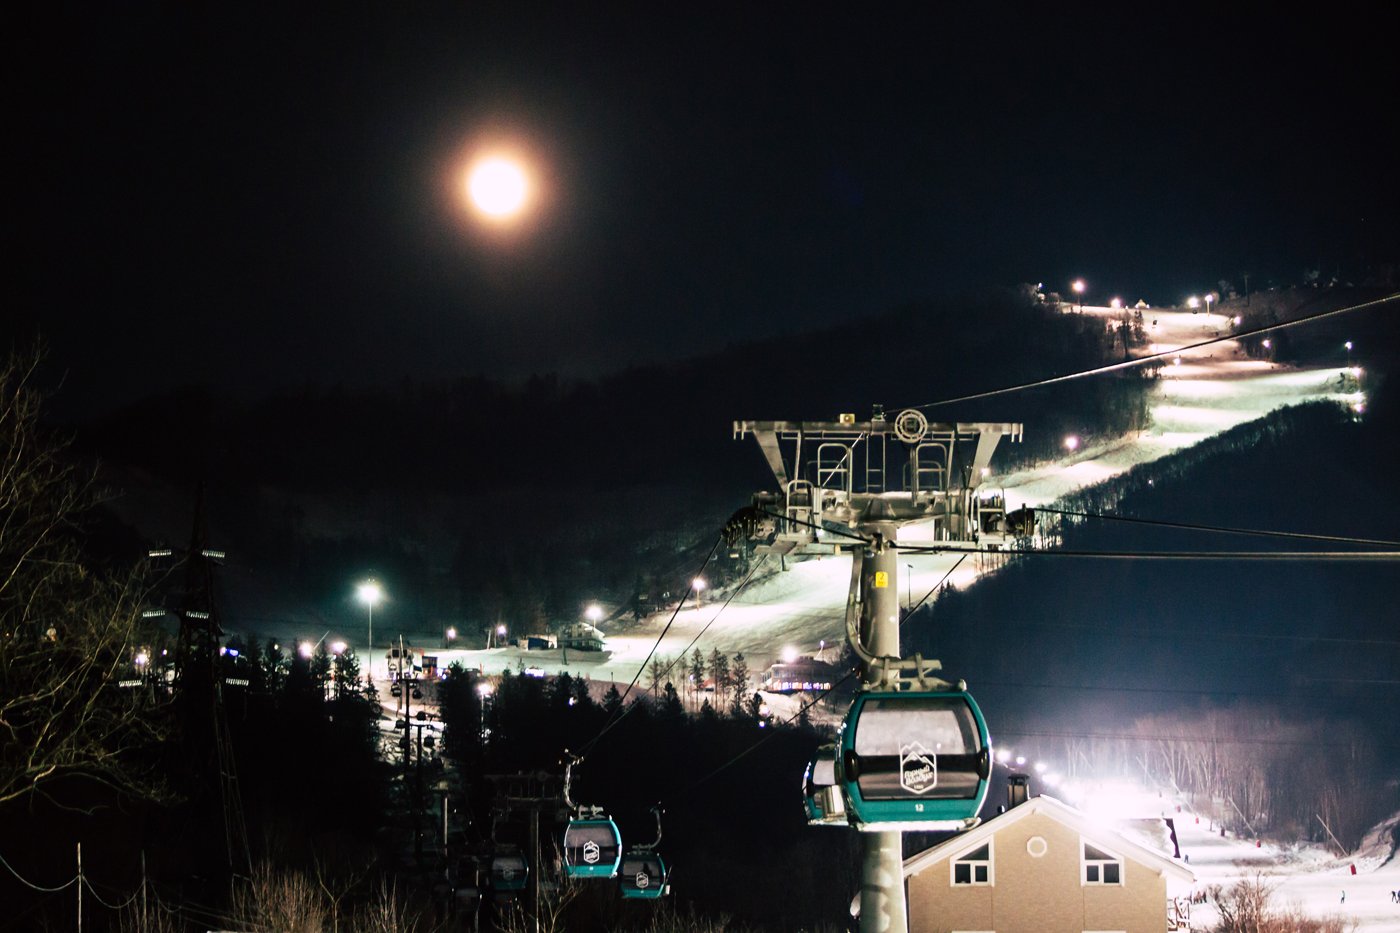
(974, 867)
(1101, 867)
(918, 747)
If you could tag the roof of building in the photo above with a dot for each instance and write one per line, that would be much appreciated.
(1063, 813)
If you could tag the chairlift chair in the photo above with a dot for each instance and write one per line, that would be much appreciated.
(643, 874)
(592, 844)
(914, 760)
(509, 870)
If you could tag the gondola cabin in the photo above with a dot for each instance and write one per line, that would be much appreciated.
(592, 848)
(509, 870)
(642, 875)
(914, 760)
(821, 795)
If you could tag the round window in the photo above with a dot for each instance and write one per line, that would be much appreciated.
(1036, 846)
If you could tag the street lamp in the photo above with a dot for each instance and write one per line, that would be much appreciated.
(1078, 286)
(1072, 442)
(500, 633)
(594, 613)
(1193, 303)
(1210, 296)
(369, 593)
(698, 584)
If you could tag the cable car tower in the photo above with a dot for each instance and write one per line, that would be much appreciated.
(849, 485)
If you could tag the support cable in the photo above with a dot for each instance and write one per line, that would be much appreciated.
(1329, 556)
(805, 706)
(1152, 357)
(680, 659)
(37, 887)
(616, 718)
(1190, 526)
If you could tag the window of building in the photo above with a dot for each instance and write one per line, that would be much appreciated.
(974, 866)
(1101, 867)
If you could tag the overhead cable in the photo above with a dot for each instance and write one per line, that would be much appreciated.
(1190, 526)
(1152, 357)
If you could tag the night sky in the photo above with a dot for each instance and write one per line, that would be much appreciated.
(270, 195)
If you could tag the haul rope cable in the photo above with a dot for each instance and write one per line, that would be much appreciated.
(1189, 526)
(739, 589)
(801, 709)
(1138, 361)
(1330, 556)
(625, 710)
(615, 718)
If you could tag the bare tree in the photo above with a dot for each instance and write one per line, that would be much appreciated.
(67, 630)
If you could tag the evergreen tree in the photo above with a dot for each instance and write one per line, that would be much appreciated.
(719, 673)
(612, 700)
(697, 674)
(274, 665)
(656, 673)
(583, 699)
(671, 707)
(738, 684)
(347, 674)
(321, 668)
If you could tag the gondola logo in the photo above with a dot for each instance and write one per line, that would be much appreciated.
(590, 852)
(643, 880)
(918, 768)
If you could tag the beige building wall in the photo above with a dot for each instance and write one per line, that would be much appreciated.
(1041, 894)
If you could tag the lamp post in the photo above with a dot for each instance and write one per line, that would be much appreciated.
(369, 593)
(698, 585)
(1078, 286)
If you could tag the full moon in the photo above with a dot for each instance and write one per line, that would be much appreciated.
(497, 187)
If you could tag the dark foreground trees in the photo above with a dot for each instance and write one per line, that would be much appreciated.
(68, 627)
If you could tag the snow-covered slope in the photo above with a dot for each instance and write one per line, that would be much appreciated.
(1204, 393)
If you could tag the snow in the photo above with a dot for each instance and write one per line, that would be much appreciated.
(1306, 875)
(1213, 389)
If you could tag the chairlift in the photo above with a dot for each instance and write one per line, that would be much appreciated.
(914, 760)
(592, 844)
(509, 870)
(821, 794)
(643, 873)
(417, 694)
(395, 691)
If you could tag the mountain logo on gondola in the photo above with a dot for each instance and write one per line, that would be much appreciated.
(918, 768)
(643, 880)
(590, 852)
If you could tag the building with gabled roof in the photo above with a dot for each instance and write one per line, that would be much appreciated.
(1046, 866)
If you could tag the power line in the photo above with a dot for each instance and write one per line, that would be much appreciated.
(1192, 526)
(37, 887)
(1139, 361)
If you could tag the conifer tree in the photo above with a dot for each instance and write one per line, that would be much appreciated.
(697, 674)
(738, 684)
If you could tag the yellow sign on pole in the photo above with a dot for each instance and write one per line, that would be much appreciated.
(882, 579)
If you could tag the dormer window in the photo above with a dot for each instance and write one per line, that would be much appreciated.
(1101, 867)
(974, 866)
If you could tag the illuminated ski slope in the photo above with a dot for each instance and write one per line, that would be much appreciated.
(1302, 874)
(1208, 391)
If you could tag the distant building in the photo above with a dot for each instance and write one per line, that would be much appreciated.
(803, 675)
(1043, 865)
(581, 636)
